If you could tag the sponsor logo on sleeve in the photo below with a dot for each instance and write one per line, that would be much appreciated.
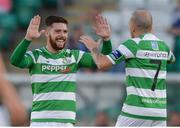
(116, 54)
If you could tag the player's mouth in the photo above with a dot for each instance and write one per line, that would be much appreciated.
(60, 40)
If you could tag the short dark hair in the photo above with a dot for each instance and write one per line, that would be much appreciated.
(55, 19)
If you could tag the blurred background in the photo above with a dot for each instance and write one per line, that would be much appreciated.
(100, 94)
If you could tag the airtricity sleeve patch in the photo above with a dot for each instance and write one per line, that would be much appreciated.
(115, 57)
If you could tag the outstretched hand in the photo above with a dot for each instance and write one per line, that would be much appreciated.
(33, 29)
(102, 28)
(89, 42)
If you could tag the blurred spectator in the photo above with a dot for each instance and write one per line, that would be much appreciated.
(5, 6)
(89, 18)
(102, 119)
(175, 31)
(74, 42)
(11, 101)
(87, 21)
(174, 119)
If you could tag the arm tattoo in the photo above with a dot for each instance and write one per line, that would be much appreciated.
(96, 52)
(99, 58)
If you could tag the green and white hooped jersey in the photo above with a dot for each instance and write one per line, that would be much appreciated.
(146, 58)
(53, 80)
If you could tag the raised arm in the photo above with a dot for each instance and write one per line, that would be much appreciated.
(127, 50)
(19, 57)
(87, 58)
(101, 28)
(101, 61)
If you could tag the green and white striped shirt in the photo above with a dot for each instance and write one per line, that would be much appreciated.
(53, 80)
(143, 56)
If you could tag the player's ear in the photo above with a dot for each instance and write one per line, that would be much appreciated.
(46, 32)
(134, 30)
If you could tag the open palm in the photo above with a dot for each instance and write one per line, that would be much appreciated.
(33, 28)
(102, 28)
(89, 42)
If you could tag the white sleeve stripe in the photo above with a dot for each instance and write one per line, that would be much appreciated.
(169, 57)
(80, 56)
(173, 60)
(125, 51)
(38, 50)
(32, 56)
(112, 61)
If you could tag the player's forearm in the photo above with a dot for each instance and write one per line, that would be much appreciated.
(107, 47)
(18, 54)
(102, 62)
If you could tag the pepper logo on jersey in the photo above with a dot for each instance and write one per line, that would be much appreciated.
(154, 45)
(68, 69)
(53, 67)
(116, 54)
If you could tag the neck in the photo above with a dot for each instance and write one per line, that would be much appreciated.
(138, 33)
(50, 49)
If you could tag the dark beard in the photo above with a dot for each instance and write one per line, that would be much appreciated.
(54, 45)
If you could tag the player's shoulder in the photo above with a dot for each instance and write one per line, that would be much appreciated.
(38, 51)
(154, 38)
(162, 44)
(35, 52)
(70, 51)
(132, 41)
(76, 53)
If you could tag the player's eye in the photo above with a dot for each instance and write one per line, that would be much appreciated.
(58, 30)
(65, 31)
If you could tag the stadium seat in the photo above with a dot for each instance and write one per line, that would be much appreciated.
(25, 10)
(5, 38)
(8, 21)
(8, 25)
(24, 15)
(35, 4)
(50, 3)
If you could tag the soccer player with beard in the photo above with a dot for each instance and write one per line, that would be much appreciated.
(53, 69)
